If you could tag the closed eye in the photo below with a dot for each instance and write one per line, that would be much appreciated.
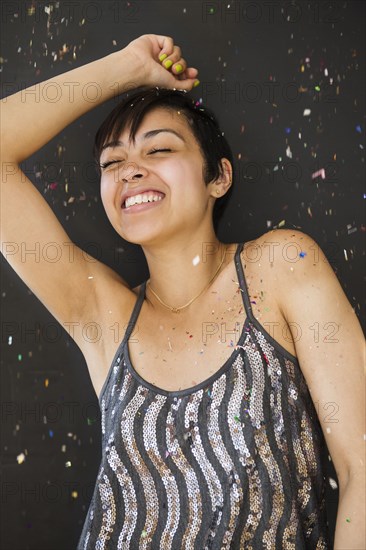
(158, 150)
(152, 151)
(106, 164)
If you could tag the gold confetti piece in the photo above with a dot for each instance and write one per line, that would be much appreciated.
(74, 494)
(46, 382)
(68, 464)
(21, 458)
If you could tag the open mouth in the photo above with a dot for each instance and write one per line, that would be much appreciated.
(142, 201)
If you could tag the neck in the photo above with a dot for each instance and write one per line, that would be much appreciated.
(179, 271)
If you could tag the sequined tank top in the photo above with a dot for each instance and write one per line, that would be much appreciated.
(232, 463)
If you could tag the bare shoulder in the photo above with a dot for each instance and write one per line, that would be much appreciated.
(283, 250)
(284, 243)
(274, 255)
(264, 265)
(293, 260)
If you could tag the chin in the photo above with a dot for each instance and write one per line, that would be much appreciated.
(141, 237)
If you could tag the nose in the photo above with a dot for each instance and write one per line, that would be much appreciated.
(132, 171)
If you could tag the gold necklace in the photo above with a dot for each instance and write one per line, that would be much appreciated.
(178, 309)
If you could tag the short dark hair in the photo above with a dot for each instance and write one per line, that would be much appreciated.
(205, 127)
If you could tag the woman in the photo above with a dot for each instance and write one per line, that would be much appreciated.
(212, 424)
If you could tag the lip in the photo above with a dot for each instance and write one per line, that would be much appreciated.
(141, 207)
(138, 191)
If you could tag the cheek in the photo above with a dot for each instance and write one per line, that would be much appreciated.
(185, 180)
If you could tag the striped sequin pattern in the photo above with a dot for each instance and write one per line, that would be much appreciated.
(235, 464)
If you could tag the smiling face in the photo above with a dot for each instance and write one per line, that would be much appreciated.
(166, 164)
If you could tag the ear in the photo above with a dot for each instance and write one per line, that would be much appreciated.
(220, 186)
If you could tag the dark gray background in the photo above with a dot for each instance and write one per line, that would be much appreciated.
(249, 56)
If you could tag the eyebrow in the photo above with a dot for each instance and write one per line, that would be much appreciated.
(147, 135)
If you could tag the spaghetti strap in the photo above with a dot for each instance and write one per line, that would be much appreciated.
(135, 313)
(130, 327)
(242, 283)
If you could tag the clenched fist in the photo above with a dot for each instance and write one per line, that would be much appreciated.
(158, 62)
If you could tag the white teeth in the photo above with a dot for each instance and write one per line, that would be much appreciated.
(138, 199)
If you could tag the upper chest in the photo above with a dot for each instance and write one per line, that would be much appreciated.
(178, 351)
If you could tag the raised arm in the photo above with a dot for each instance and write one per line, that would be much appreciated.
(58, 272)
(31, 117)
